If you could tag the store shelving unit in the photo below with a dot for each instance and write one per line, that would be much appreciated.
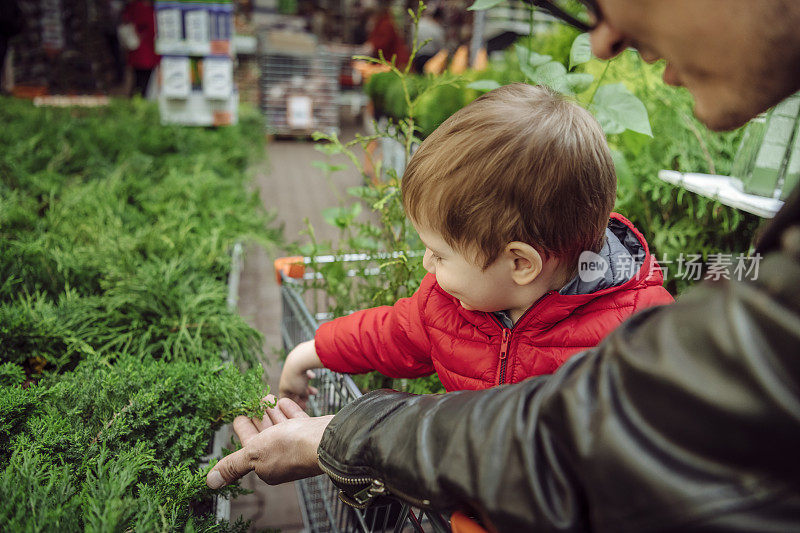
(195, 78)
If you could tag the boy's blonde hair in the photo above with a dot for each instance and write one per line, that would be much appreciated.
(520, 163)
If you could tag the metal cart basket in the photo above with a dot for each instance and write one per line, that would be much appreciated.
(321, 507)
(299, 84)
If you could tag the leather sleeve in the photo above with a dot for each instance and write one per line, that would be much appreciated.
(390, 339)
(687, 416)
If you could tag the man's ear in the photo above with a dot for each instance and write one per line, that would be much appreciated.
(527, 263)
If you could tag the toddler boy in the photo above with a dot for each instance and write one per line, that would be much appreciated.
(507, 195)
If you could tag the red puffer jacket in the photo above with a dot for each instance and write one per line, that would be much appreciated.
(430, 331)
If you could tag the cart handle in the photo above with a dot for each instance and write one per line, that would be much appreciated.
(290, 267)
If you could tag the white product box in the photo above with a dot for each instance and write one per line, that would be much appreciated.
(197, 110)
(196, 24)
(168, 24)
(217, 77)
(176, 79)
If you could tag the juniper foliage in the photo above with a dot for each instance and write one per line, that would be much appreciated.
(115, 235)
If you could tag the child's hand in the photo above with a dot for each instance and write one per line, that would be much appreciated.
(297, 371)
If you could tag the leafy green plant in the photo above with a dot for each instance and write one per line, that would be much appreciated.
(389, 266)
(118, 354)
(112, 447)
(674, 221)
(649, 127)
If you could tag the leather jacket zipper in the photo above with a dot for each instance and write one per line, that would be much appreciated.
(372, 488)
(342, 479)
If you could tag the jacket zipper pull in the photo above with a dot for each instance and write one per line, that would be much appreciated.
(504, 343)
(501, 373)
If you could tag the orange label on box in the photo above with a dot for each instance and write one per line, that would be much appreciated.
(221, 47)
(223, 118)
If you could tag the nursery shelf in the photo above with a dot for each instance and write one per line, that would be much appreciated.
(725, 189)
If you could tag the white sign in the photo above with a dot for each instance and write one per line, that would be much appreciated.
(168, 25)
(217, 77)
(197, 26)
(299, 111)
(175, 77)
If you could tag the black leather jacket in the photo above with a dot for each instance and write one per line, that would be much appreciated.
(687, 417)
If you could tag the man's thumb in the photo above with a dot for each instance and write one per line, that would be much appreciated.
(214, 480)
(229, 469)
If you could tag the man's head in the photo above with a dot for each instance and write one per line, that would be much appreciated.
(737, 57)
(520, 163)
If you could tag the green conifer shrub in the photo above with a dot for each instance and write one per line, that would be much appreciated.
(119, 357)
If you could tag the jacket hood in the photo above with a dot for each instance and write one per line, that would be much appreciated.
(623, 253)
(630, 267)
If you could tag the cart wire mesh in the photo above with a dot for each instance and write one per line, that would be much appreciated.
(309, 77)
(320, 505)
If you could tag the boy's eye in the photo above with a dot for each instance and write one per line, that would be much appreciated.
(434, 256)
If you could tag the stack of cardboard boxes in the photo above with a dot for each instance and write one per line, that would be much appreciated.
(195, 40)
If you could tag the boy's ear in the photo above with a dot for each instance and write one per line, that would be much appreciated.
(527, 262)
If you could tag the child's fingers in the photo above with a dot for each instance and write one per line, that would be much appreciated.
(310, 374)
(312, 391)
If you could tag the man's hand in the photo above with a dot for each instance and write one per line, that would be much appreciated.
(280, 447)
(297, 371)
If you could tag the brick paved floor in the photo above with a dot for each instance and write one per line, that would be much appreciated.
(292, 188)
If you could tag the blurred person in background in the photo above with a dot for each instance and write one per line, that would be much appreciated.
(430, 27)
(143, 59)
(11, 23)
(384, 36)
(686, 418)
(113, 9)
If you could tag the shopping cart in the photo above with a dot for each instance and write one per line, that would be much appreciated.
(321, 507)
(299, 84)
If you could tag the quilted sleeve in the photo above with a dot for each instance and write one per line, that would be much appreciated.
(651, 296)
(390, 339)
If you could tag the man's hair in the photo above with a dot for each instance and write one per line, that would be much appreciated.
(520, 163)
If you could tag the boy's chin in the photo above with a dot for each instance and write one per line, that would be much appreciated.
(466, 306)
